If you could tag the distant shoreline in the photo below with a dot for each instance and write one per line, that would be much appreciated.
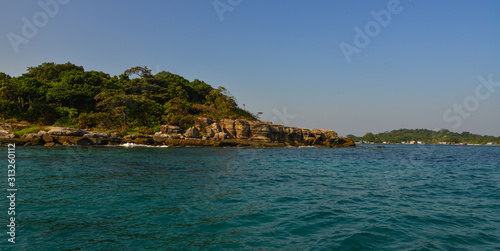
(433, 144)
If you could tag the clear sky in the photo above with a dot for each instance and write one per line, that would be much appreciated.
(419, 61)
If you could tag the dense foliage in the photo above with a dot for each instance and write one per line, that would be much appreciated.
(67, 95)
(426, 136)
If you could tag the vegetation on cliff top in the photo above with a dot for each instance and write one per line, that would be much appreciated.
(135, 101)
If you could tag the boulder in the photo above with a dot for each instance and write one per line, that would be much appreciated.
(192, 133)
(115, 135)
(66, 131)
(176, 136)
(318, 134)
(47, 138)
(97, 138)
(170, 129)
(63, 140)
(201, 123)
(330, 134)
(213, 129)
(36, 140)
(98, 135)
(134, 137)
(220, 136)
(242, 128)
(227, 126)
(5, 126)
(259, 130)
(139, 139)
(8, 136)
(292, 134)
(307, 135)
(31, 136)
(160, 137)
(277, 133)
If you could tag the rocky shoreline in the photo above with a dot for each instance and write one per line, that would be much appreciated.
(205, 133)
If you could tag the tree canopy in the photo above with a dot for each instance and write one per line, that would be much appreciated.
(67, 95)
(426, 136)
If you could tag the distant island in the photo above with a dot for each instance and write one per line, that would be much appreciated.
(62, 104)
(425, 136)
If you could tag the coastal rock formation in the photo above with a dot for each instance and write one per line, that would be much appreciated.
(8, 136)
(213, 129)
(139, 139)
(160, 137)
(268, 132)
(170, 129)
(66, 131)
(205, 132)
(97, 135)
(202, 123)
(192, 133)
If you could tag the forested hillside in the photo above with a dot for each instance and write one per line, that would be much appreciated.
(137, 100)
(426, 136)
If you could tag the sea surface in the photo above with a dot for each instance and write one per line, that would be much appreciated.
(401, 197)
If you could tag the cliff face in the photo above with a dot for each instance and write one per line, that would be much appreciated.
(205, 132)
(262, 132)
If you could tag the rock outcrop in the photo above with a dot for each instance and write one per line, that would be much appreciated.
(65, 131)
(3, 132)
(264, 132)
(192, 133)
(170, 129)
(205, 132)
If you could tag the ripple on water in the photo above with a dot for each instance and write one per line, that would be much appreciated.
(396, 198)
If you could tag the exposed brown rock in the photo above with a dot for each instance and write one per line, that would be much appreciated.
(227, 132)
(66, 131)
(227, 126)
(222, 136)
(260, 130)
(242, 128)
(213, 129)
(192, 133)
(202, 123)
(31, 136)
(292, 134)
(47, 138)
(8, 136)
(160, 137)
(170, 129)
(97, 135)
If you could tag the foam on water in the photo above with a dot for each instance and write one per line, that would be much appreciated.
(139, 145)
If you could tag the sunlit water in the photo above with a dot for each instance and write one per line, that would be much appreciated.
(115, 198)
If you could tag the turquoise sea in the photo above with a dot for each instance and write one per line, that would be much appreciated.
(402, 197)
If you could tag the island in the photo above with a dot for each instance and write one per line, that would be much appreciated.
(62, 104)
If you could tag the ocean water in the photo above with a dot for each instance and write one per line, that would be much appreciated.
(400, 197)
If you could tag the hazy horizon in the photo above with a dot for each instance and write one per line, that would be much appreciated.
(353, 67)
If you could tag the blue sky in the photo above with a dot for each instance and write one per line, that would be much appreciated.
(283, 58)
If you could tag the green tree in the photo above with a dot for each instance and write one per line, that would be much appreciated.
(369, 137)
(51, 72)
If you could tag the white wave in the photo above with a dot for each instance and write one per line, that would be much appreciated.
(139, 145)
